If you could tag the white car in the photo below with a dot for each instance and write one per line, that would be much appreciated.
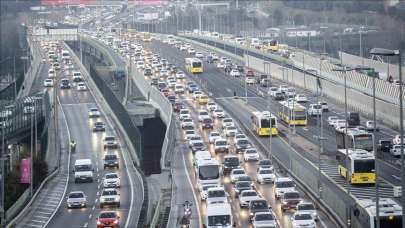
(191, 51)
(171, 83)
(188, 134)
(204, 190)
(111, 180)
(183, 48)
(178, 88)
(273, 90)
(283, 88)
(264, 220)
(300, 98)
(81, 86)
(221, 145)
(94, 113)
(370, 125)
(246, 196)
(193, 139)
(250, 80)
(197, 94)
(199, 55)
(230, 131)
(180, 75)
(308, 207)
(397, 140)
(110, 196)
(239, 136)
(265, 175)
(302, 219)
(140, 65)
(211, 106)
(164, 73)
(48, 82)
(290, 92)
(218, 113)
(283, 185)
(187, 122)
(236, 173)
(227, 122)
(203, 114)
(396, 150)
(332, 120)
(339, 123)
(251, 155)
(51, 73)
(324, 105)
(216, 195)
(184, 113)
(214, 135)
(315, 110)
(234, 73)
(220, 65)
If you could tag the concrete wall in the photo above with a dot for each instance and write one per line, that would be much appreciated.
(386, 112)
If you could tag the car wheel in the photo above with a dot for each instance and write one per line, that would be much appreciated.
(101, 206)
(118, 205)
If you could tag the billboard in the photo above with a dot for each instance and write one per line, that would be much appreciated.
(25, 171)
(149, 2)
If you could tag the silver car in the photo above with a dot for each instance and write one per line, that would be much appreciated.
(76, 199)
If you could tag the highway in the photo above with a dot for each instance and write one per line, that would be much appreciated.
(387, 171)
(75, 105)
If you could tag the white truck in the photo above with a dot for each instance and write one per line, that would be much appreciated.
(83, 170)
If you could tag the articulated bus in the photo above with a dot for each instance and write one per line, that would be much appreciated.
(363, 215)
(357, 139)
(194, 65)
(358, 168)
(292, 113)
(264, 123)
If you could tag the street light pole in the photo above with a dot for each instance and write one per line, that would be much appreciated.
(401, 124)
(377, 195)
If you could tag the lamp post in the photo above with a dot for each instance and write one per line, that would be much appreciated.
(387, 52)
(345, 70)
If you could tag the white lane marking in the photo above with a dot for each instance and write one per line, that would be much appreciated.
(192, 187)
(396, 177)
(38, 221)
(33, 225)
(77, 104)
(40, 216)
(86, 224)
(90, 215)
(322, 223)
(94, 207)
(42, 212)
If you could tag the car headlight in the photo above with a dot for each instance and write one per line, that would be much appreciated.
(251, 214)
(98, 223)
(102, 200)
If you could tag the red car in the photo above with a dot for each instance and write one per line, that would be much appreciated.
(290, 200)
(108, 219)
(250, 73)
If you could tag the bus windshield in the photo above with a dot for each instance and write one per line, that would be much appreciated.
(300, 115)
(219, 220)
(363, 142)
(364, 166)
(196, 64)
(208, 172)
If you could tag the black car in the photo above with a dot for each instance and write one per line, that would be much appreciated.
(241, 145)
(241, 186)
(240, 69)
(207, 123)
(65, 84)
(384, 145)
(111, 160)
(147, 72)
(171, 98)
(259, 205)
(154, 82)
(230, 162)
(99, 126)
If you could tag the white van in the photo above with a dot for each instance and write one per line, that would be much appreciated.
(202, 155)
(83, 170)
(77, 76)
(219, 215)
(315, 110)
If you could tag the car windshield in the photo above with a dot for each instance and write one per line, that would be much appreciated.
(245, 178)
(251, 151)
(110, 157)
(189, 132)
(258, 204)
(220, 143)
(291, 195)
(208, 172)
(80, 168)
(111, 176)
(249, 193)
(242, 142)
(107, 215)
(266, 171)
(284, 184)
(216, 193)
(215, 134)
(206, 187)
(227, 120)
(231, 161)
(302, 217)
(207, 121)
(242, 184)
(231, 128)
(306, 207)
(110, 138)
(76, 195)
(219, 220)
(94, 110)
(109, 193)
(264, 217)
(264, 162)
(238, 171)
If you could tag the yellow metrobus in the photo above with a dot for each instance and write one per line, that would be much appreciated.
(264, 123)
(271, 45)
(194, 65)
(358, 168)
(292, 113)
(147, 37)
